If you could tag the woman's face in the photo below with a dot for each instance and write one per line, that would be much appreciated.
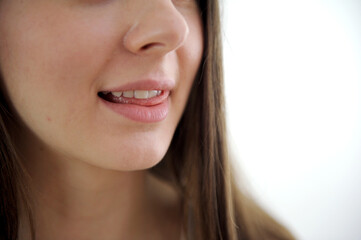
(65, 62)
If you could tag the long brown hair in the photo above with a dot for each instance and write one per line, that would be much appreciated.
(197, 162)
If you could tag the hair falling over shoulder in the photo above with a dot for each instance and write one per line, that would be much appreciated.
(197, 163)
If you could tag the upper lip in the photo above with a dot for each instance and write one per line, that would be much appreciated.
(148, 84)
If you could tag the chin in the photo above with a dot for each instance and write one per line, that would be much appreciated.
(142, 150)
(131, 157)
(135, 162)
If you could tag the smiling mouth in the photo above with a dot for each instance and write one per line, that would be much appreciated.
(136, 97)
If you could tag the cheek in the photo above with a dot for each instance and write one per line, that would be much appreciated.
(46, 58)
(49, 72)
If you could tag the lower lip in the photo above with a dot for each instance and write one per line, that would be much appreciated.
(138, 113)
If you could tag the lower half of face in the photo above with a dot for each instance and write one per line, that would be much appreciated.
(85, 129)
(57, 73)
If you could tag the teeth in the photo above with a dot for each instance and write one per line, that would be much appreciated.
(138, 94)
(128, 94)
(153, 93)
(117, 94)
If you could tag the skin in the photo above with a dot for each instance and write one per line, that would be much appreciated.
(88, 164)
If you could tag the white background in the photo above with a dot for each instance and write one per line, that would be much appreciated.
(293, 89)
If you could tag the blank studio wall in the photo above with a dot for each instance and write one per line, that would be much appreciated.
(293, 92)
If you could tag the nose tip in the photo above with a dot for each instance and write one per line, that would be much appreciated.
(157, 32)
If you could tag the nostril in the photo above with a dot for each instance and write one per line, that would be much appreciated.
(150, 45)
(147, 46)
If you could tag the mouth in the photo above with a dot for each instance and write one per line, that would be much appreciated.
(135, 97)
(146, 106)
